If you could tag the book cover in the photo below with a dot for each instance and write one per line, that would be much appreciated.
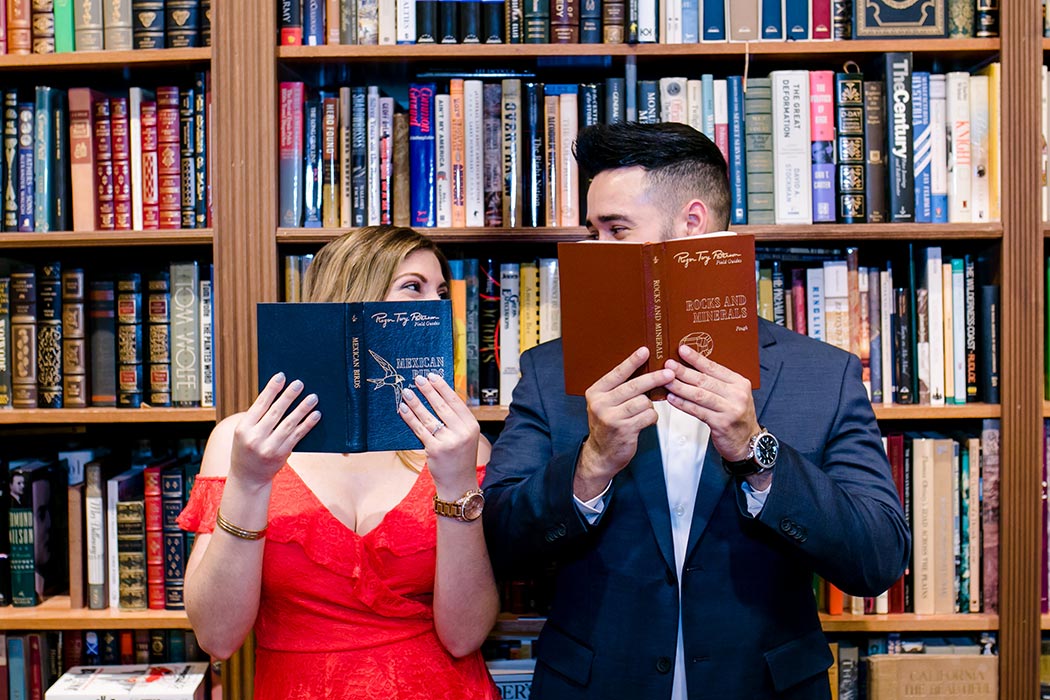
(185, 334)
(37, 514)
(849, 122)
(23, 337)
(290, 153)
(102, 319)
(907, 676)
(875, 151)
(357, 358)
(129, 346)
(169, 158)
(49, 336)
(890, 19)
(697, 291)
(187, 158)
(5, 343)
(899, 146)
(167, 681)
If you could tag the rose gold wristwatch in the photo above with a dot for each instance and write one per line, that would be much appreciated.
(467, 508)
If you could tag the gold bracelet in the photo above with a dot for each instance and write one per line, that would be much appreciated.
(239, 532)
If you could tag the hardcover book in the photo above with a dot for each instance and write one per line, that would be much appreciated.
(901, 676)
(697, 291)
(358, 358)
(892, 19)
(173, 681)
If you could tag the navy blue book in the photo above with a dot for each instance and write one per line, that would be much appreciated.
(358, 358)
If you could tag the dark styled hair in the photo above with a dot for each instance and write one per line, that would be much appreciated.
(680, 162)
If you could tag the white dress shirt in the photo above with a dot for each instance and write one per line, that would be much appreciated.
(683, 447)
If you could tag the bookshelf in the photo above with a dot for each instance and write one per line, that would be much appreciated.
(55, 614)
(245, 64)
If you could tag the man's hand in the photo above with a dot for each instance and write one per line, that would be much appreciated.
(617, 411)
(722, 399)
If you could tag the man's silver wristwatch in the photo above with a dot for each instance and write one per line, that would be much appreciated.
(762, 451)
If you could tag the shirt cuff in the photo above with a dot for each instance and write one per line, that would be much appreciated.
(592, 509)
(756, 500)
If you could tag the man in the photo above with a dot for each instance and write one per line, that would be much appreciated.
(686, 533)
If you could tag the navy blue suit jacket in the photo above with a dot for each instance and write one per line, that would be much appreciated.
(749, 617)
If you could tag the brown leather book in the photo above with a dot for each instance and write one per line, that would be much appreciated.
(618, 296)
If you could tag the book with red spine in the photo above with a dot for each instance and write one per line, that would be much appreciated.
(169, 170)
(121, 148)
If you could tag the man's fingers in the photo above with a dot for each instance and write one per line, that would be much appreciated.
(622, 372)
(708, 366)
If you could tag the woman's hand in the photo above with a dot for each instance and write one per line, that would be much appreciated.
(450, 439)
(265, 437)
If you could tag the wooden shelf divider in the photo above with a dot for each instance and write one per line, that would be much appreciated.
(107, 239)
(73, 416)
(55, 614)
(98, 60)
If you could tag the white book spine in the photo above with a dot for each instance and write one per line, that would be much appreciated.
(815, 303)
(207, 347)
(185, 338)
(95, 538)
(792, 166)
(388, 21)
(959, 156)
(935, 310)
(135, 99)
(981, 199)
(442, 161)
(721, 103)
(550, 300)
(886, 335)
(694, 101)
(938, 145)
(510, 330)
(922, 536)
(948, 318)
(406, 21)
(569, 209)
(112, 560)
(836, 304)
(372, 107)
(974, 516)
(474, 148)
(345, 144)
(959, 330)
(672, 22)
(674, 105)
(647, 22)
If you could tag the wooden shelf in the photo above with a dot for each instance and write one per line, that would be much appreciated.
(834, 232)
(95, 60)
(67, 416)
(517, 626)
(102, 239)
(55, 614)
(913, 412)
(1046, 409)
(794, 49)
(490, 413)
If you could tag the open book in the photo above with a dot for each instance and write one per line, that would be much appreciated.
(617, 296)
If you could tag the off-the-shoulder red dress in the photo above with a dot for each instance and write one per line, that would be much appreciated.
(344, 616)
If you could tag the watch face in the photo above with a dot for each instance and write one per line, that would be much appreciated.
(473, 506)
(766, 448)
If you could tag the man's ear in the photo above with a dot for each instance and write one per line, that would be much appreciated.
(697, 218)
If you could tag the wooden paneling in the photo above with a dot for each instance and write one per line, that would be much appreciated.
(1020, 513)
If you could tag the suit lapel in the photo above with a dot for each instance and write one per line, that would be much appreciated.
(713, 478)
(647, 470)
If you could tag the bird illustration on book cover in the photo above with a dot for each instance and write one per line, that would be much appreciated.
(391, 378)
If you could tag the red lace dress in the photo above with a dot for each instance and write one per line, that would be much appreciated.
(344, 616)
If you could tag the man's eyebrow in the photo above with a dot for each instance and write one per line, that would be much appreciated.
(609, 218)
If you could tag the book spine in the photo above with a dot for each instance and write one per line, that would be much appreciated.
(537, 19)
(512, 156)
(569, 179)
(492, 13)
(509, 330)
(372, 111)
(103, 146)
(405, 21)
(959, 148)
(60, 184)
(958, 329)
(737, 152)
(10, 168)
(121, 152)
(771, 20)
(25, 591)
(129, 340)
(169, 158)
(154, 532)
(875, 361)
(421, 153)
(102, 319)
(345, 141)
(902, 347)
(26, 162)
(20, 27)
(849, 123)
(990, 432)
(988, 353)
(442, 161)
(74, 340)
(447, 22)
(469, 21)
(95, 537)
(591, 21)
(5, 354)
(131, 554)
(822, 117)
(43, 149)
(330, 162)
(386, 159)
(312, 171)
(426, 21)
(551, 165)
(150, 167)
(313, 23)
(357, 402)
(875, 152)
(185, 334)
(116, 23)
(43, 30)
(200, 151)
(970, 283)
(614, 18)
(472, 279)
(980, 176)
(492, 153)
(473, 153)
(899, 146)
(172, 502)
(922, 145)
(359, 155)
(158, 331)
(791, 145)
(187, 158)
(532, 156)
(88, 34)
(49, 336)
(402, 195)
(938, 149)
(986, 19)
(147, 29)
(290, 20)
(23, 338)
(207, 334)
(758, 139)
(488, 329)
(290, 153)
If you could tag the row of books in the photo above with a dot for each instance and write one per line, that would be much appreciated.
(100, 526)
(500, 310)
(892, 666)
(802, 147)
(927, 335)
(59, 26)
(72, 340)
(949, 487)
(85, 161)
(31, 662)
(363, 22)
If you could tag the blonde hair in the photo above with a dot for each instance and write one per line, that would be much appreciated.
(360, 266)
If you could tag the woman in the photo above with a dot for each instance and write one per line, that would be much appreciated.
(354, 586)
